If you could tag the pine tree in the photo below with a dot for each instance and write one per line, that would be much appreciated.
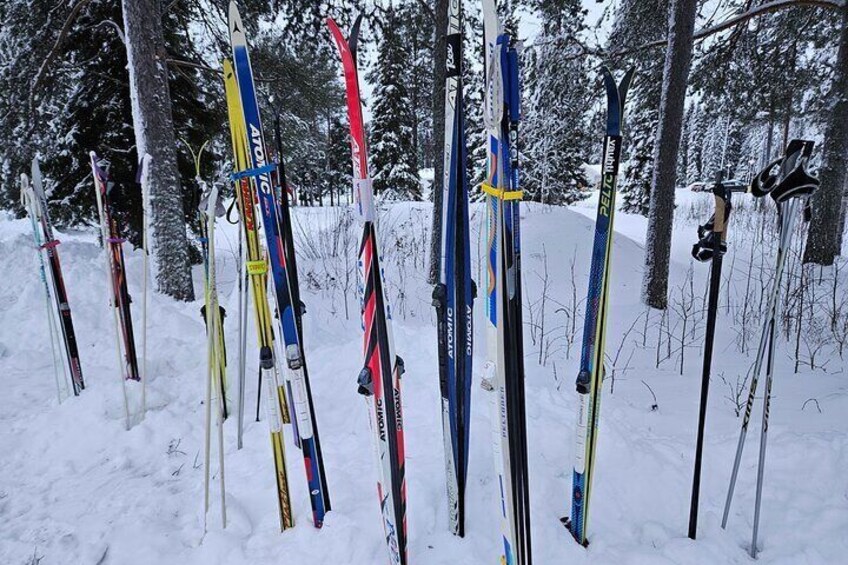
(392, 134)
(558, 100)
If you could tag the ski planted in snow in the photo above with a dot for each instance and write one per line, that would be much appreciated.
(257, 269)
(113, 241)
(304, 408)
(711, 246)
(60, 374)
(57, 282)
(504, 370)
(591, 377)
(789, 184)
(214, 322)
(453, 297)
(216, 362)
(283, 271)
(379, 380)
(116, 271)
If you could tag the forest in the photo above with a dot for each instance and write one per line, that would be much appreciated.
(728, 94)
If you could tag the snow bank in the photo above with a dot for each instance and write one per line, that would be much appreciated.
(75, 488)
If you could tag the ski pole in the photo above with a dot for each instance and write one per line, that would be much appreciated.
(711, 246)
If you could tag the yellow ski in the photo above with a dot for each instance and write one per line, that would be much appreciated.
(257, 268)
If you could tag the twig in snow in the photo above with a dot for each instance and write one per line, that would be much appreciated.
(655, 406)
(811, 400)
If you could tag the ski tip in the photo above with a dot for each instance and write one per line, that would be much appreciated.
(616, 95)
(353, 40)
(236, 26)
(624, 86)
(609, 81)
(336, 33)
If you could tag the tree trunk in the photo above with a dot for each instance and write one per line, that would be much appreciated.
(441, 22)
(154, 134)
(824, 239)
(678, 59)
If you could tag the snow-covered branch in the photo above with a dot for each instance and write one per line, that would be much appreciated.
(742, 18)
(57, 46)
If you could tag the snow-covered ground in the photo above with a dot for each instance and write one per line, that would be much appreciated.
(76, 488)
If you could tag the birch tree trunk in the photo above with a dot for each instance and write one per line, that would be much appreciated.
(824, 239)
(440, 8)
(678, 59)
(154, 134)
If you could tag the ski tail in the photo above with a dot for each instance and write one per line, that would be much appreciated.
(380, 377)
(381, 380)
(590, 377)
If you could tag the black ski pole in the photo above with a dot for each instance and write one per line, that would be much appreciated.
(711, 246)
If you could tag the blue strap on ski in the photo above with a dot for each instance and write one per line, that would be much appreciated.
(255, 172)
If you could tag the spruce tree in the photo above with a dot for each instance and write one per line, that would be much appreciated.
(416, 33)
(393, 159)
(696, 131)
(557, 102)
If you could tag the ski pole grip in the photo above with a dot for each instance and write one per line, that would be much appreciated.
(718, 219)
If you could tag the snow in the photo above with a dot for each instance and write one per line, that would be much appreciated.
(76, 488)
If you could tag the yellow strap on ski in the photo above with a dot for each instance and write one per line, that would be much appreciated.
(501, 193)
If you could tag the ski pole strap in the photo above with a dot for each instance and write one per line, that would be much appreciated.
(501, 193)
(263, 170)
(257, 267)
(116, 240)
(798, 183)
(50, 244)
